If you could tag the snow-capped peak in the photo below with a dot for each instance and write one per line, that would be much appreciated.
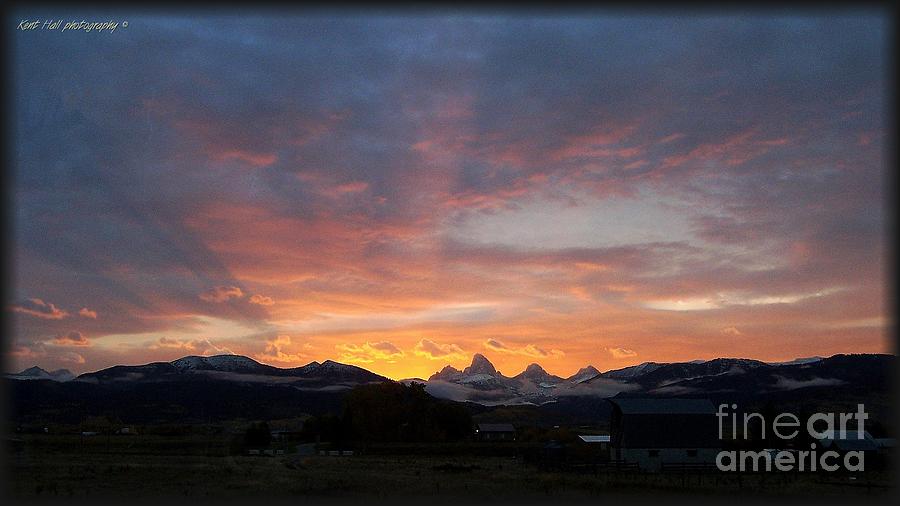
(189, 363)
(633, 371)
(480, 365)
(231, 361)
(584, 374)
(448, 373)
(534, 369)
(799, 361)
(226, 363)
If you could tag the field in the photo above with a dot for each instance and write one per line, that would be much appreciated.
(79, 467)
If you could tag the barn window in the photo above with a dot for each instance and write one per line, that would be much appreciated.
(653, 453)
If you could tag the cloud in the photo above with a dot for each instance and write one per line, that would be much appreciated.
(222, 294)
(257, 160)
(620, 353)
(40, 309)
(369, 352)
(73, 338)
(87, 313)
(732, 331)
(276, 351)
(195, 346)
(29, 351)
(70, 357)
(165, 342)
(435, 351)
(529, 350)
(41, 352)
(261, 300)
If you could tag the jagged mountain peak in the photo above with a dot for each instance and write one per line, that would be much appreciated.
(448, 373)
(536, 374)
(534, 371)
(534, 368)
(584, 374)
(480, 365)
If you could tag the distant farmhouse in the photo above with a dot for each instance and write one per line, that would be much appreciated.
(495, 432)
(658, 433)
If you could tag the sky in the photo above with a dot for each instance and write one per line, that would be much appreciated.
(401, 191)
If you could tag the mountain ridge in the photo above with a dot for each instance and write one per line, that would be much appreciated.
(159, 391)
(480, 381)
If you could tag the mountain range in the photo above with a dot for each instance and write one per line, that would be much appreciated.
(326, 375)
(197, 389)
(481, 383)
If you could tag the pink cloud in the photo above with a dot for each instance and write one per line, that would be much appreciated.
(40, 309)
(620, 353)
(73, 338)
(222, 294)
(261, 300)
(255, 159)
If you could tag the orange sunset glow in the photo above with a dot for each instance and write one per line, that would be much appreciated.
(402, 193)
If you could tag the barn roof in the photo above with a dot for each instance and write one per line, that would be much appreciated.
(594, 439)
(664, 406)
(851, 441)
(496, 427)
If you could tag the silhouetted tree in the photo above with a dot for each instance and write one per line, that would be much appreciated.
(397, 412)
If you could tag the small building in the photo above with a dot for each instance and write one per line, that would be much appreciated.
(658, 433)
(495, 432)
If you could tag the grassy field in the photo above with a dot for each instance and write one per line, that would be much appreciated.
(54, 466)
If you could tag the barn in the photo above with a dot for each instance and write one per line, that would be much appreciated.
(656, 434)
(495, 432)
